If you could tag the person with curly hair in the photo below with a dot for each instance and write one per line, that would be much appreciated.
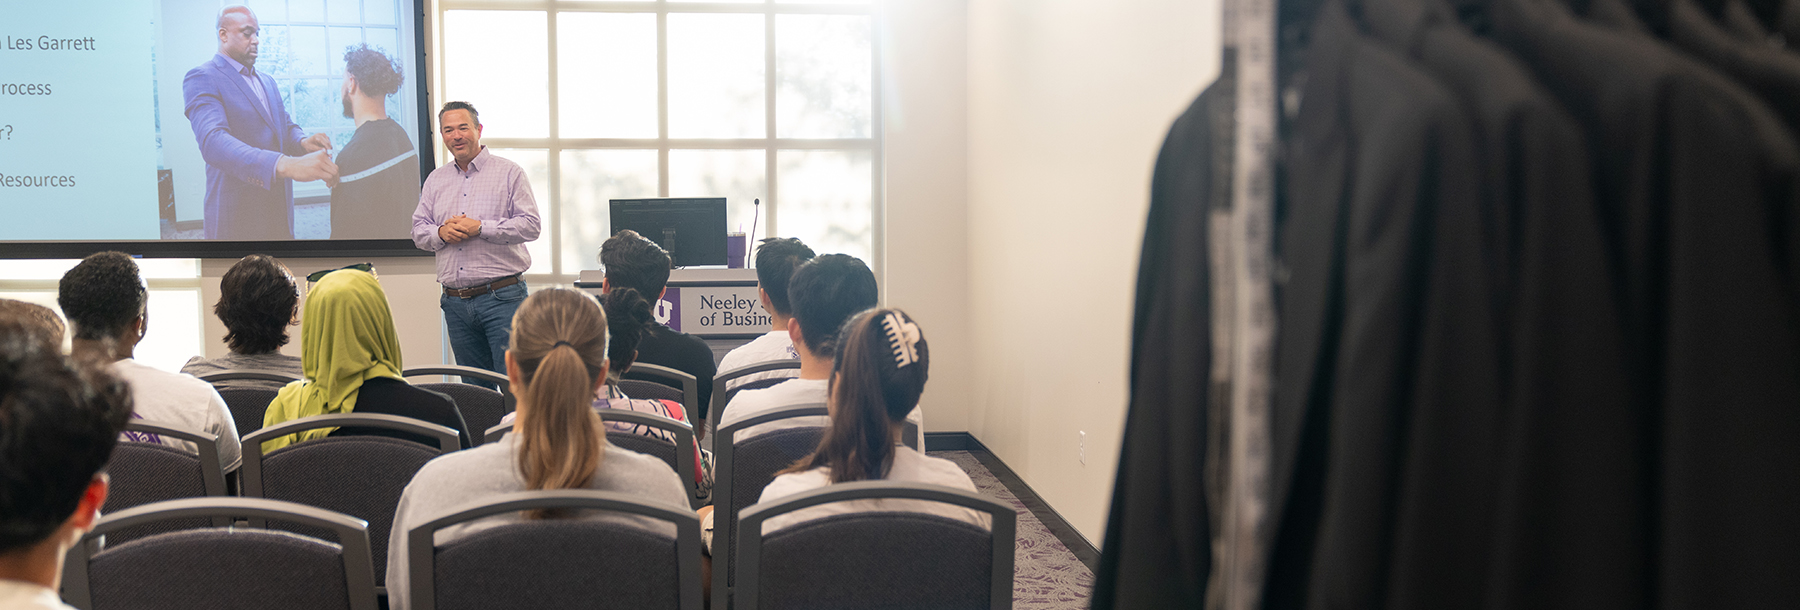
(258, 301)
(378, 171)
(104, 299)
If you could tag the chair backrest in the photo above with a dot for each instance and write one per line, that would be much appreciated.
(681, 461)
(875, 559)
(742, 468)
(481, 408)
(247, 407)
(145, 473)
(722, 396)
(642, 381)
(280, 377)
(679, 453)
(558, 563)
(469, 372)
(360, 476)
(223, 568)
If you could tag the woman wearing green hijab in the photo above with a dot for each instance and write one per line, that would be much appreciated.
(351, 358)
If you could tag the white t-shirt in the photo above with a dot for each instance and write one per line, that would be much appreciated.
(751, 403)
(776, 345)
(21, 595)
(909, 467)
(185, 400)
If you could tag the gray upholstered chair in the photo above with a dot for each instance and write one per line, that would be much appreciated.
(644, 380)
(223, 567)
(741, 470)
(145, 473)
(481, 408)
(248, 404)
(874, 559)
(681, 461)
(722, 396)
(558, 563)
(360, 476)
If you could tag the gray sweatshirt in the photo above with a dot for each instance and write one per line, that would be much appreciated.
(469, 477)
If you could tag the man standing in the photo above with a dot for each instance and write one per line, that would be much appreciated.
(477, 214)
(246, 137)
(378, 170)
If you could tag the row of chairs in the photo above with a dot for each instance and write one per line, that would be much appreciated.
(364, 476)
(483, 408)
(863, 560)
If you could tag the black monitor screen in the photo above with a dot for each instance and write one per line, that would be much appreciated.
(691, 229)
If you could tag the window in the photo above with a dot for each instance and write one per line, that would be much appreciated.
(175, 311)
(747, 99)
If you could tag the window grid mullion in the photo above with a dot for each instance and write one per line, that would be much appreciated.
(662, 99)
(553, 156)
(769, 179)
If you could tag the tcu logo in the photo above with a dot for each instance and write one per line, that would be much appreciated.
(664, 311)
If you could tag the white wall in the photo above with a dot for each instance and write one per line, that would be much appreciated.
(1068, 103)
(925, 93)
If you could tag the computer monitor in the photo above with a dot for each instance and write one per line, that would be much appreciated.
(692, 229)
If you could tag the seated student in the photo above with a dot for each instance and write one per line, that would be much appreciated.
(627, 318)
(881, 370)
(556, 361)
(637, 263)
(38, 320)
(351, 358)
(59, 423)
(776, 260)
(104, 299)
(258, 300)
(825, 292)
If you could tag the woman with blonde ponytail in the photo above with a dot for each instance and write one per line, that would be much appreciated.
(556, 362)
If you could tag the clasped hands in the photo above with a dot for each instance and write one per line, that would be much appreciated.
(314, 165)
(459, 228)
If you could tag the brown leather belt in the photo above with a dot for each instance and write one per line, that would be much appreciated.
(475, 291)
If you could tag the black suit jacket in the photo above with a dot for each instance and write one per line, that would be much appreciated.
(1519, 310)
(1158, 550)
(1379, 152)
(1646, 498)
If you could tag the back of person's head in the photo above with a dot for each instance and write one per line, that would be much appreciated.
(348, 329)
(257, 298)
(102, 295)
(824, 293)
(880, 372)
(776, 260)
(59, 422)
(633, 261)
(556, 359)
(628, 317)
(376, 74)
(37, 320)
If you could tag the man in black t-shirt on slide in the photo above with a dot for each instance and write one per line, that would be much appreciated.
(378, 185)
(631, 261)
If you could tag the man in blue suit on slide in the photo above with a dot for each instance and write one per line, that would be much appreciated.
(253, 150)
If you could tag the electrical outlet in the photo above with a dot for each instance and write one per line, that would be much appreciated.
(1081, 446)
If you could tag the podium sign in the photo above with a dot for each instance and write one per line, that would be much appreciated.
(713, 310)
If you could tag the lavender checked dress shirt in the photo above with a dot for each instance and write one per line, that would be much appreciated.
(493, 191)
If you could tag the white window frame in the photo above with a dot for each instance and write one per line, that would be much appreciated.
(555, 144)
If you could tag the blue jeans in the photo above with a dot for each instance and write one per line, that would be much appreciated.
(480, 328)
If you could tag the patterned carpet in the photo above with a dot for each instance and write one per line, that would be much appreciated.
(1046, 575)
